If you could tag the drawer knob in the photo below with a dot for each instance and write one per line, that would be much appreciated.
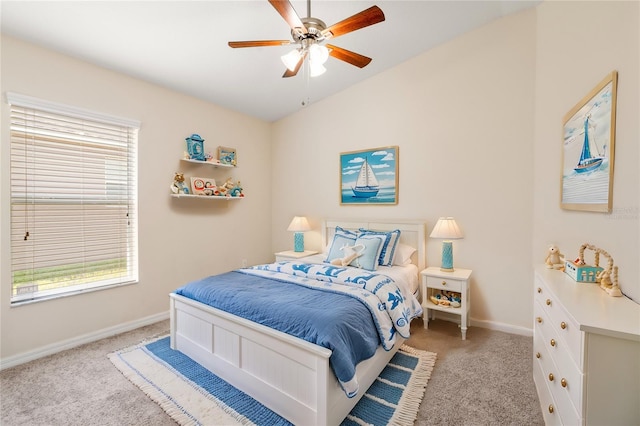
(548, 302)
(551, 377)
(553, 342)
(551, 408)
(539, 319)
(539, 290)
(563, 382)
(563, 325)
(444, 282)
(538, 355)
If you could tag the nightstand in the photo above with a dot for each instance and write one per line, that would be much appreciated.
(433, 280)
(293, 255)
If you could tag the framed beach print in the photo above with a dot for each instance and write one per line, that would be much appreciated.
(588, 150)
(369, 176)
(227, 156)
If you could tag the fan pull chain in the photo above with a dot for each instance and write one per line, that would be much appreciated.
(306, 71)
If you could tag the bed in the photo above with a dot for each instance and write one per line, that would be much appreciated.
(289, 375)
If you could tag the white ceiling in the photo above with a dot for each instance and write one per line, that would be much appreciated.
(182, 45)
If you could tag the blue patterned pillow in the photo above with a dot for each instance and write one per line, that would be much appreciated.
(371, 253)
(389, 247)
(341, 238)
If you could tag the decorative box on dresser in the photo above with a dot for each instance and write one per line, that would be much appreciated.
(586, 352)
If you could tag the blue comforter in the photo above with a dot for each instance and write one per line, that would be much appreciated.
(291, 298)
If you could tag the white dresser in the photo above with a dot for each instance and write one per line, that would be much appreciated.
(586, 352)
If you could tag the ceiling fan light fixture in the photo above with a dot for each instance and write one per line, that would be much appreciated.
(316, 69)
(290, 60)
(318, 54)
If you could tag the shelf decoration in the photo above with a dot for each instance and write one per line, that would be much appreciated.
(178, 186)
(606, 277)
(204, 186)
(227, 156)
(195, 147)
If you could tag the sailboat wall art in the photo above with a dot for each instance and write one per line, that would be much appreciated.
(369, 176)
(588, 150)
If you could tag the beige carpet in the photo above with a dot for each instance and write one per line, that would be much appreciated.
(484, 380)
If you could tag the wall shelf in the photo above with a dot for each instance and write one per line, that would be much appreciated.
(209, 163)
(206, 197)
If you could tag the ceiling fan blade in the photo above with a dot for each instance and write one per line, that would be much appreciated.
(353, 58)
(289, 14)
(367, 17)
(289, 73)
(259, 43)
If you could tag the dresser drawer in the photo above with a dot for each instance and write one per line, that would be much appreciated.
(564, 388)
(444, 284)
(547, 404)
(561, 321)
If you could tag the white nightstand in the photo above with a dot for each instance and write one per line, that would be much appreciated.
(293, 255)
(433, 280)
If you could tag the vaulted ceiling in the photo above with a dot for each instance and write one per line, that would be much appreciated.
(182, 45)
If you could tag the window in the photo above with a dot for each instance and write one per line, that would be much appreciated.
(73, 200)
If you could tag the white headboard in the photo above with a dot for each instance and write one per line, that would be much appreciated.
(412, 233)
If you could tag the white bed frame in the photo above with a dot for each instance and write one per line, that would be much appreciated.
(287, 374)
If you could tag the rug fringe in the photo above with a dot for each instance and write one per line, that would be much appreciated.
(411, 399)
(154, 394)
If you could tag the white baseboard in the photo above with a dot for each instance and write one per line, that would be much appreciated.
(53, 348)
(491, 325)
(499, 326)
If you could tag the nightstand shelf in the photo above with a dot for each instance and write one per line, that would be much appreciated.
(433, 281)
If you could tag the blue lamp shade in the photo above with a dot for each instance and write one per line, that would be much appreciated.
(446, 229)
(298, 225)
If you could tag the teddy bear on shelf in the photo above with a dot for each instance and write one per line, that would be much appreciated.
(555, 259)
(178, 186)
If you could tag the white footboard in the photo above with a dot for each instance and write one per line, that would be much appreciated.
(287, 374)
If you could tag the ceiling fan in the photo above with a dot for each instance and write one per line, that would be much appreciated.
(310, 34)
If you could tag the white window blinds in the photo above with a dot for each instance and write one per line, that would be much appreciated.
(73, 199)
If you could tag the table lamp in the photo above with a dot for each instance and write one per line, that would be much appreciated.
(446, 229)
(298, 225)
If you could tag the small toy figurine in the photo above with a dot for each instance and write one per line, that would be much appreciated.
(555, 259)
(178, 186)
(236, 191)
(225, 187)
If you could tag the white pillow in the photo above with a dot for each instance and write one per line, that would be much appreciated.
(403, 254)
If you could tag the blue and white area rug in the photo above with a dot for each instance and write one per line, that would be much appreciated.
(192, 395)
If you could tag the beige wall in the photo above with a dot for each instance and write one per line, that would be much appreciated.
(578, 44)
(180, 240)
(462, 116)
(478, 124)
